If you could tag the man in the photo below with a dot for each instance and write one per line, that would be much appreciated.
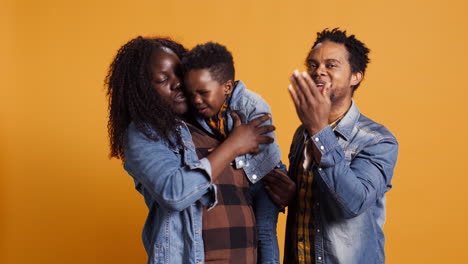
(342, 162)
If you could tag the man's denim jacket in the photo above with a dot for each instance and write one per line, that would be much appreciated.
(249, 106)
(354, 173)
(175, 185)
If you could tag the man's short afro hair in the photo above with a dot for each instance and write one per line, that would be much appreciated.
(358, 52)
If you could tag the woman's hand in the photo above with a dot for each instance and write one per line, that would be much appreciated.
(244, 138)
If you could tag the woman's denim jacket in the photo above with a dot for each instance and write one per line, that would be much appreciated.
(248, 106)
(175, 185)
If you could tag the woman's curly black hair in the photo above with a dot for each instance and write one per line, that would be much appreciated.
(132, 98)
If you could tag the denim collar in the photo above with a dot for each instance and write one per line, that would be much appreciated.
(346, 125)
(236, 102)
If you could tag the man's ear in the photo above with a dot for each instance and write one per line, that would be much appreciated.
(228, 87)
(356, 78)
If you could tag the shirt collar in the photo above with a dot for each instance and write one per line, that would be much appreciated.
(236, 102)
(348, 122)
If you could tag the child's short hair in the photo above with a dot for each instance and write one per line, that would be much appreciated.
(212, 56)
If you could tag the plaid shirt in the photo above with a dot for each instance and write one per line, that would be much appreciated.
(229, 233)
(218, 123)
(303, 224)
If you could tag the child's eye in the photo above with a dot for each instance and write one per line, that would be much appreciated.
(160, 81)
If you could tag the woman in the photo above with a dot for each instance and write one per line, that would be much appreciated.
(148, 131)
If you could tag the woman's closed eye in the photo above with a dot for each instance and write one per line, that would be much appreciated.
(159, 81)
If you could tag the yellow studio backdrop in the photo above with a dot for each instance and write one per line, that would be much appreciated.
(63, 201)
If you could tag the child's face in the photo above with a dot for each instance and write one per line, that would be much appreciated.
(206, 95)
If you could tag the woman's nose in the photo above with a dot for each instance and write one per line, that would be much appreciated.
(176, 84)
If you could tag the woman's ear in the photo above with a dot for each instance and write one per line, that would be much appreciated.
(228, 87)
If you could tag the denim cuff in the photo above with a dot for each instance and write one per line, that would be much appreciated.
(325, 141)
(241, 162)
(206, 165)
(209, 200)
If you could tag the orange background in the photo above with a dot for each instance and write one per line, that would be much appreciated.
(63, 201)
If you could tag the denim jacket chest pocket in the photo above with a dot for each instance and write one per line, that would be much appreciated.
(187, 152)
(190, 157)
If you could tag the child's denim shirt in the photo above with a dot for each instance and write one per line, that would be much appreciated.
(175, 185)
(249, 106)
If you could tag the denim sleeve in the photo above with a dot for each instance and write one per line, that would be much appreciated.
(250, 114)
(357, 185)
(258, 165)
(164, 175)
(281, 166)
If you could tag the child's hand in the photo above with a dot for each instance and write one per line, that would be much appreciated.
(279, 187)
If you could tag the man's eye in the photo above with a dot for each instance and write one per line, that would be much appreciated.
(331, 66)
(312, 66)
